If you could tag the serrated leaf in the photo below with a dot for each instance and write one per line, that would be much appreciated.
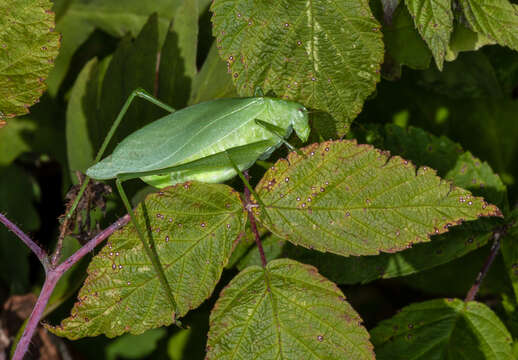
(194, 227)
(28, 46)
(352, 199)
(285, 311)
(496, 19)
(325, 55)
(443, 329)
(434, 21)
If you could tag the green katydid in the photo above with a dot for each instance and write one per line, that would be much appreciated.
(208, 142)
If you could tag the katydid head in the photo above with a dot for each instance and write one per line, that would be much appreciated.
(293, 114)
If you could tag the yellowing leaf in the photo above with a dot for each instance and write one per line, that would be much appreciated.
(28, 47)
(285, 311)
(194, 227)
(354, 199)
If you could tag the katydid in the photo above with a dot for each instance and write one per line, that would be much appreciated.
(208, 142)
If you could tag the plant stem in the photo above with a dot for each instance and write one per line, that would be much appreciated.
(51, 279)
(38, 251)
(253, 224)
(472, 293)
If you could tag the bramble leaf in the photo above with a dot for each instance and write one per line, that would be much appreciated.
(324, 56)
(443, 328)
(194, 227)
(28, 46)
(352, 199)
(434, 21)
(285, 311)
(496, 19)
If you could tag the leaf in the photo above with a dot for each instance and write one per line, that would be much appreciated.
(80, 151)
(194, 227)
(471, 76)
(496, 19)
(17, 191)
(213, 81)
(509, 249)
(403, 44)
(115, 17)
(13, 143)
(272, 247)
(464, 39)
(434, 21)
(178, 56)
(285, 311)
(28, 46)
(352, 199)
(135, 346)
(324, 55)
(443, 329)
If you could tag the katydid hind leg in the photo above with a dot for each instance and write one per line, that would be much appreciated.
(150, 250)
(141, 93)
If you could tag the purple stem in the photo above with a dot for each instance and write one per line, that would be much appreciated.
(472, 293)
(253, 224)
(52, 278)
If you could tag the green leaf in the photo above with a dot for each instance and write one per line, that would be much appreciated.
(352, 199)
(178, 56)
(135, 346)
(80, 150)
(213, 81)
(496, 19)
(115, 17)
(28, 46)
(434, 21)
(449, 159)
(13, 142)
(471, 76)
(403, 44)
(452, 163)
(193, 226)
(17, 192)
(324, 55)
(443, 329)
(285, 311)
(272, 247)
(510, 250)
(464, 39)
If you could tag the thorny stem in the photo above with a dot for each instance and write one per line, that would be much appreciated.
(253, 224)
(472, 293)
(39, 252)
(52, 277)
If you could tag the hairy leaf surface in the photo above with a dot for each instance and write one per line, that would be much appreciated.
(353, 199)
(193, 227)
(28, 46)
(325, 55)
(443, 329)
(285, 311)
(434, 21)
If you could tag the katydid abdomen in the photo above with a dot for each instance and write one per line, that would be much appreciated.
(191, 143)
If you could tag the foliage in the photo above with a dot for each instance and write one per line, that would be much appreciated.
(409, 175)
